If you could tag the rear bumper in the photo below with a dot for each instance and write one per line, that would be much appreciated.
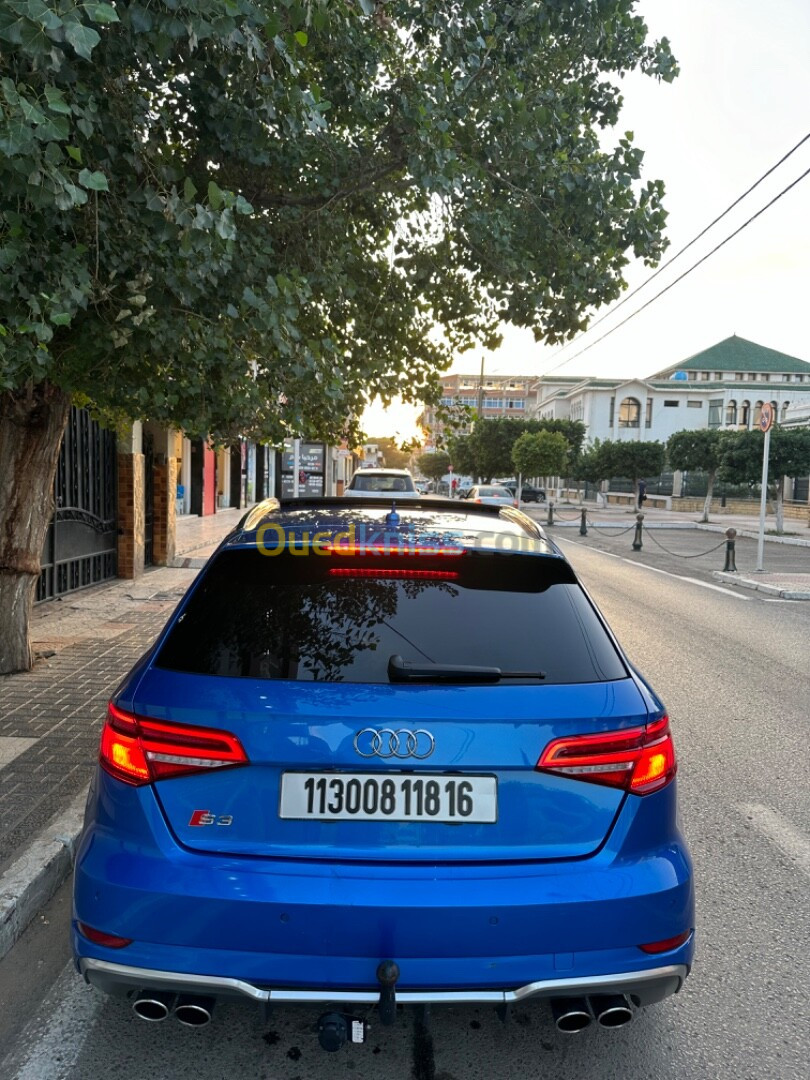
(643, 987)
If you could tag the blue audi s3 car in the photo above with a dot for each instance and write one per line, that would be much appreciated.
(385, 755)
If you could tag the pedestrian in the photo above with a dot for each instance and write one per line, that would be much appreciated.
(642, 492)
(453, 487)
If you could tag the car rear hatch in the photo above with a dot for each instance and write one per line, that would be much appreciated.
(350, 754)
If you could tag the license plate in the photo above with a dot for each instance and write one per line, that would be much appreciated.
(387, 797)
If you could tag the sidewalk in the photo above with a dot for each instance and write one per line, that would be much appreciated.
(50, 717)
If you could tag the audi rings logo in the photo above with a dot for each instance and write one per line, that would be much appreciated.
(388, 743)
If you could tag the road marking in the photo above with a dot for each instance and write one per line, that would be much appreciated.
(11, 746)
(790, 840)
(657, 570)
(56, 1034)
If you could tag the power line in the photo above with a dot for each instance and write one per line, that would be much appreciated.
(694, 266)
(665, 265)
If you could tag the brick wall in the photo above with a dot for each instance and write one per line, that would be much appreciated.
(164, 530)
(131, 525)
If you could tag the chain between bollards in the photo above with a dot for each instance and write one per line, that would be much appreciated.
(637, 536)
(731, 565)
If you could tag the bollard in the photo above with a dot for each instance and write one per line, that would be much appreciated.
(731, 565)
(583, 524)
(550, 518)
(637, 536)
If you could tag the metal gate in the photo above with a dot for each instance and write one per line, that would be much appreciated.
(81, 542)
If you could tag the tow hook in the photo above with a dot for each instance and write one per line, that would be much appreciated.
(387, 975)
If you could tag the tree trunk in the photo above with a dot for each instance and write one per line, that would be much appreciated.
(707, 505)
(32, 423)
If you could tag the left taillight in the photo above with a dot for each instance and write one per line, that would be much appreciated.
(640, 760)
(140, 750)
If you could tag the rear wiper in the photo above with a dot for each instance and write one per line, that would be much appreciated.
(400, 670)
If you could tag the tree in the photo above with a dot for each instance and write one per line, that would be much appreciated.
(245, 217)
(789, 456)
(539, 453)
(462, 455)
(393, 455)
(698, 450)
(592, 464)
(435, 464)
(633, 460)
(488, 447)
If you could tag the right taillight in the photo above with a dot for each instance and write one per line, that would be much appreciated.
(640, 760)
(140, 750)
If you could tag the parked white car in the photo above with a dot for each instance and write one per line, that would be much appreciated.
(490, 494)
(386, 483)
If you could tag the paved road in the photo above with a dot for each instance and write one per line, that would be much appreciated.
(735, 676)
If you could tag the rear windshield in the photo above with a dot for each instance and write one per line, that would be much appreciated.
(287, 617)
(363, 482)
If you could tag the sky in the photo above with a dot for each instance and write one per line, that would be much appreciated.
(741, 102)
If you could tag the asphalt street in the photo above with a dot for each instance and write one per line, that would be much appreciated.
(733, 669)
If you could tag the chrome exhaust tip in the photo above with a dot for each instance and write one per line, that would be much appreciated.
(612, 1010)
(194, 1011)
(571, 1014)
(153, 1005)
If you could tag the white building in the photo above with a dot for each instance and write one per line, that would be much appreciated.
(722, 387)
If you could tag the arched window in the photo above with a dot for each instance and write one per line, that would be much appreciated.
(745, 413)
(785, 407)
(629, 412)
(731, 413)
(757, 414)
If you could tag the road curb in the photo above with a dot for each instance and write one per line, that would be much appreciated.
(761, 586)
(34, 876)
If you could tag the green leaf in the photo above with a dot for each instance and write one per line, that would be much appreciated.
(75, 153)
(83, 38)
(215, 195)
(189, 190)
(301, 37)
(62, 319)
(94, 181)
(101, 13)
(56, 100)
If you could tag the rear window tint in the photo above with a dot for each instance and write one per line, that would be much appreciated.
(285, 617)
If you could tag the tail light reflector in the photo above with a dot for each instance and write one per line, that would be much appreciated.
(640, 760)
(99, 937)
(140, 750)
(667, 943)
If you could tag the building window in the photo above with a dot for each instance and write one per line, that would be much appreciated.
(785, 407)
(671, 404)
(715, 414)
(694, 404)
(731, 413)
(745, 413)
(629, 412)
(648, 413)
(612, 410)
(704, 376)
(757, 413)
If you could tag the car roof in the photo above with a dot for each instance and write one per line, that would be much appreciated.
(422, 522)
